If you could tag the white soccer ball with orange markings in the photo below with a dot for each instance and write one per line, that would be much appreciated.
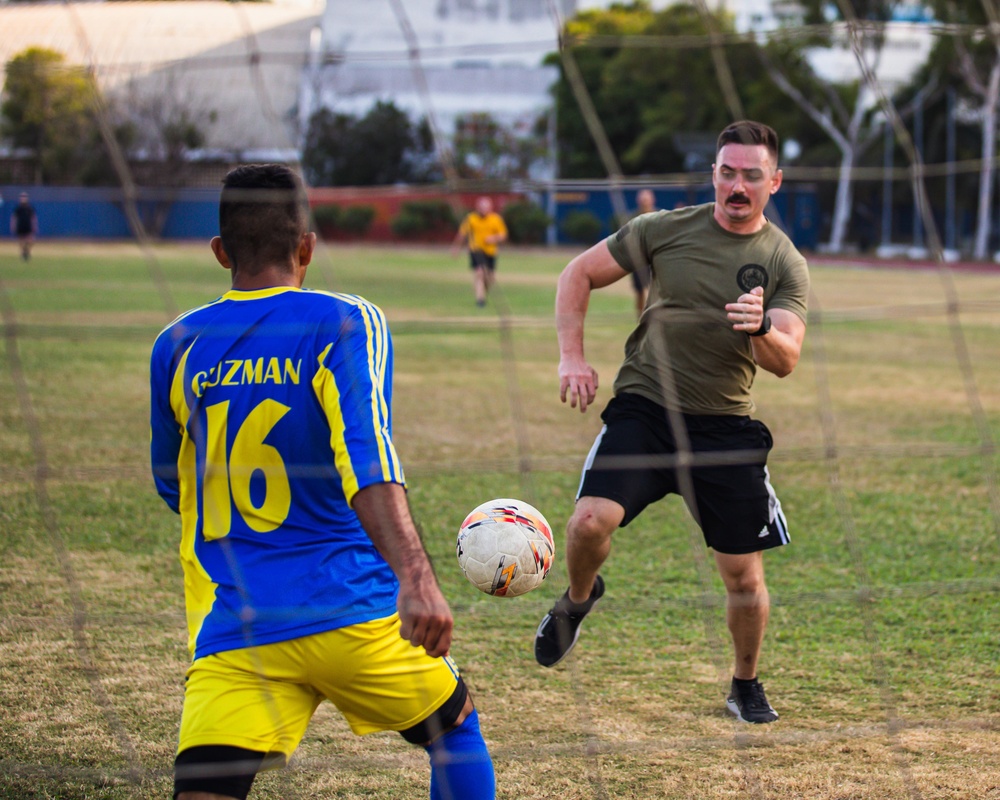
(505, 547)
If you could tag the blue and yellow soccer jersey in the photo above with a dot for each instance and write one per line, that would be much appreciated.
(270, 410)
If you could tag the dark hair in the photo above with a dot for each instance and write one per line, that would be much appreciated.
(263, 213)
(747, 131)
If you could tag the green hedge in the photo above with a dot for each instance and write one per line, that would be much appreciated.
(356, 220)
(581, 226)
(326, 217)
(350, 220)
(526, 222)
(420, 217)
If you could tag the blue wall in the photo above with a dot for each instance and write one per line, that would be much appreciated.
(81, 213)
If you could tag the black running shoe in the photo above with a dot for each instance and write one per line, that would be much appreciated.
(749, 704)
(560, 629)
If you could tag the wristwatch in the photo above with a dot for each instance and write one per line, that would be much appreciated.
(765, 326)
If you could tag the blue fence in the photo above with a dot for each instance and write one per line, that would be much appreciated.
(795, 209)
(83, 213)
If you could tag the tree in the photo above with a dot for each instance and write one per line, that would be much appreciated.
(679, 90)
(846, 112)
(578, 156)
(972, 62)
(51, 109)
(47, 108)
(645, 102)
(382, 147)
(169, 125)
(486, 149)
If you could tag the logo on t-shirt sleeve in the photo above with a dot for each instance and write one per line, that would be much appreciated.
(751, 276)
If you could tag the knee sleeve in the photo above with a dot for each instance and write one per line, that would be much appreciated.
(217, 769)
(440, 720)
(461, 767)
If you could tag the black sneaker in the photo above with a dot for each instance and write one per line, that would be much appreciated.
(560, 629)
(748, 702)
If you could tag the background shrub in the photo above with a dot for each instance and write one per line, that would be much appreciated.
(327, 218)
(356, 220)
(407, 224)
(421, 217)
(526, 222)
(581, 226)
(352, 220)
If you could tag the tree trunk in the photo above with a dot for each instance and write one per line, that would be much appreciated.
(842, 204)
(986, 170)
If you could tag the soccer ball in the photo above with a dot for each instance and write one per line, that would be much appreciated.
(505, 547)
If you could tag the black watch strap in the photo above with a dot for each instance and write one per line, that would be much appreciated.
(765, 326)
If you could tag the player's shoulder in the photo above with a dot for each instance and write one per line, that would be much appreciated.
(341, 311)
(342, 301)
(700, 214)
(186, 324)
(668, 223)
(783, 244)
(680, 216)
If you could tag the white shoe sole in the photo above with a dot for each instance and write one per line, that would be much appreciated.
(735, 711)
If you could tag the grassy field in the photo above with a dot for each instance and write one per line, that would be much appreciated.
(882, 656)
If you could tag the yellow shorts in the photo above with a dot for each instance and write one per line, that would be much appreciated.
(261, 698)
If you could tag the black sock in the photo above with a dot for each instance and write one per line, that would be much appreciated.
(577, 608)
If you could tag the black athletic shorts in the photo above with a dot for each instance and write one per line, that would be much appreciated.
(477, 259)
(733, 503)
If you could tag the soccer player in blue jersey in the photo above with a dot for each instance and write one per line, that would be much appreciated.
(304, 576)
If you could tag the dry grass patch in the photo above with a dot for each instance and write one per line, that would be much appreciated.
(637, 712)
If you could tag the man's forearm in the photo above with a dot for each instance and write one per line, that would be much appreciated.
(385, 516)
(572, 300)
(779, 350)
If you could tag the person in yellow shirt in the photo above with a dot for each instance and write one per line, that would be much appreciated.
(482, 230)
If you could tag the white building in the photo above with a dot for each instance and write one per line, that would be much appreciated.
(252, 73)
(453, 57)
(436, 58)
(908, 39)
(234, 67)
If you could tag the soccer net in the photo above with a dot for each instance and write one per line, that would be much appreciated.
(879, 654)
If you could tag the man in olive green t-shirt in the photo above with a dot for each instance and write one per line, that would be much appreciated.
(728, 295)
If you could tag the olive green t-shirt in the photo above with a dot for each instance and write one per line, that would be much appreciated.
(684, 353)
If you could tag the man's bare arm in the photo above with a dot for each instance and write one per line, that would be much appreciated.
(590, 270)
(423, 611)
(779, 350)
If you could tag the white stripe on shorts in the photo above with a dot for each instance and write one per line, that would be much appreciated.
(775, 514)
(590, 459)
